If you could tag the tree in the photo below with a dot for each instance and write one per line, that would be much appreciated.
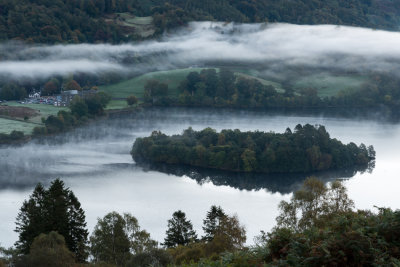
(109, 242)
(212, 221)
(104, 98)
(131, 100)
(78, 107)
(56, 209)
(116, 237)
(229, 235)
(315, 203)
(180, 231)
(50, 88)
(50, 250)
(12, 91)
(72, 85)
(226, 86)
(153, 90)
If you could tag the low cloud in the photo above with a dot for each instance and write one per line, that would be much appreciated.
(271, 47)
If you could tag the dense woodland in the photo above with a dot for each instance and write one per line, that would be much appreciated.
(306, 149)
(77, 21)
(317, 227)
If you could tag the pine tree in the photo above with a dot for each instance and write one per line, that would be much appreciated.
(180, 231)
(30, 221)
(56, 209)
(212, 221)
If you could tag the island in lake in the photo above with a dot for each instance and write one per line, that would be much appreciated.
(306, 149)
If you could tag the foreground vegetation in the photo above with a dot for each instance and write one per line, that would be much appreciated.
(307, 149)
(317, 227)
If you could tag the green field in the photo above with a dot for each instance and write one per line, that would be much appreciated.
(330, 85)
(277, 86)
(143, 26)
(8, 125)
(326, 84)
(117, 104)
(136, 85)
(173, 78)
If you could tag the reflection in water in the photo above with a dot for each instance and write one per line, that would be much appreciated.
(275, 183)
(94, 161)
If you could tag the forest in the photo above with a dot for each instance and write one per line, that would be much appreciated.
(318, 226)
(93, 21)
(307, 149)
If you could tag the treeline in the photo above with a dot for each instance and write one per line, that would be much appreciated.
(317, 227)
(212, 88)
(308, 148)
(52, 232)
(77, 21)
(81, 109)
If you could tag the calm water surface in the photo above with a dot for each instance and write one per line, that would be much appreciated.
(94, 161)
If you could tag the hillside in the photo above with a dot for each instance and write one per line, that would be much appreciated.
(92, 21)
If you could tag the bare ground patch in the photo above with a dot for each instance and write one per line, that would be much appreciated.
(18, 112)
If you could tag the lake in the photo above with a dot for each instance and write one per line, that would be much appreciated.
(94, 161)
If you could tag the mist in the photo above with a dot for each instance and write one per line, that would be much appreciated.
(269, 47)
(94, 161)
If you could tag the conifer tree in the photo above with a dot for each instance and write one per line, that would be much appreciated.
(56, 209)
(212, 222)
(180, 231)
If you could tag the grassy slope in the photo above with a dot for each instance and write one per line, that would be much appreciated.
(173, 78)
(329, 85)
(136, 85)
(326, 84)
(142, 25)
(8, 125)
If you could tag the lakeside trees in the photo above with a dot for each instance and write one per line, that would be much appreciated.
(308, 148)
(224, 88)
(317, 227)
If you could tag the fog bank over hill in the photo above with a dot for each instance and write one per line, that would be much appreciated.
(269, 47)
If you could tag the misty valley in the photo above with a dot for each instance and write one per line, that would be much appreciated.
(95, 161)
(282, 135)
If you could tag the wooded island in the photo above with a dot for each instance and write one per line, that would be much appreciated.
(307, 149)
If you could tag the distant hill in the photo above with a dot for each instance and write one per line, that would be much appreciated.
(76, 21)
